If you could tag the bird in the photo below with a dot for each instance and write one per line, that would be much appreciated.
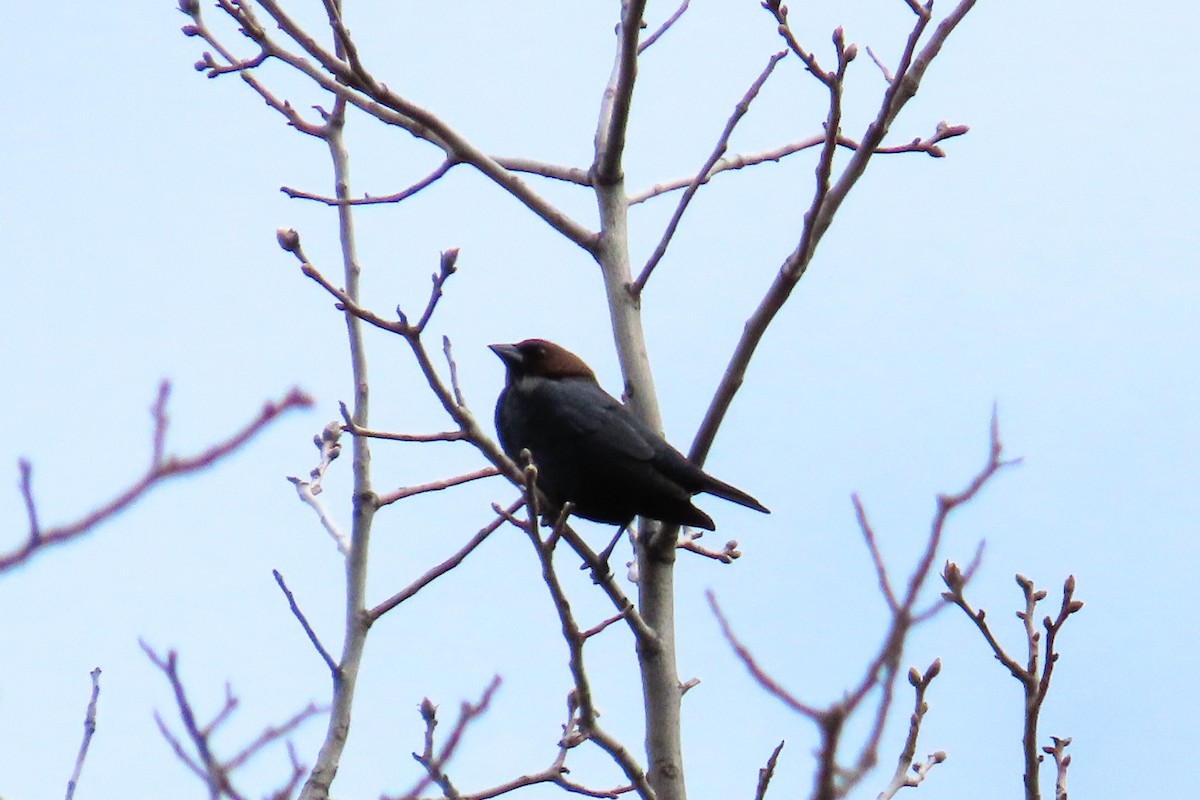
(592, 451)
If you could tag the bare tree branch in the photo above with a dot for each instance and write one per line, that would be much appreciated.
(588, 726)
(215, 772)
(575, 175)
(344, 73)
(826, 201)
(289, 240)
(441, 436)
(834, 779)
(243, 67)
(351, 83)
(162, 467)
(329, 445)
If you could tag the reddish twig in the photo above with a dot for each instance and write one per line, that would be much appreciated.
(215, 772)
(162, 468)
(435, 763)
(760, 675)
(595, 629)
(864, 525)
(435, 486)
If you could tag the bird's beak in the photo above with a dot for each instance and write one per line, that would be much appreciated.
(508, 353)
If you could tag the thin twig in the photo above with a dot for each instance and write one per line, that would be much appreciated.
(927, 146)
(766, 773)
(726, 555)
(215, 772)
(864, 525)
(368, 200)
(440, 436)
(575, 639)
(304, 490)
(764, 680)
(597, 628)
(89, 728)
(666, 26)
(901, 778)
(273, 733)
(243, 67)
(558, 172)
(718, 150)
(308, 629)
(887, 73)
(441, 569)
(646, 637)
(447, 267)
(435, 486)
(435, 763)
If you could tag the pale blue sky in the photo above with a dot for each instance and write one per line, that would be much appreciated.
(1048, 265)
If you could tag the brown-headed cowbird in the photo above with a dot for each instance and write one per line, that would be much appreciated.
(590, 450)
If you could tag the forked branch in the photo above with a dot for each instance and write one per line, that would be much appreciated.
(1034, 674)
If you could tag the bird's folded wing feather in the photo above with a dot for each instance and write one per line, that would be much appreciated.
(588, 413)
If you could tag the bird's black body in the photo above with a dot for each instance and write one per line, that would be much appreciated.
(590, 450)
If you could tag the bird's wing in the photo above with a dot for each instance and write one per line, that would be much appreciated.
(590, 415)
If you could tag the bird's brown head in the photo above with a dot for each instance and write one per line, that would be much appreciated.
(539, 358)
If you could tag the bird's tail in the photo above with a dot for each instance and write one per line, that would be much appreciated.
(733, 494)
